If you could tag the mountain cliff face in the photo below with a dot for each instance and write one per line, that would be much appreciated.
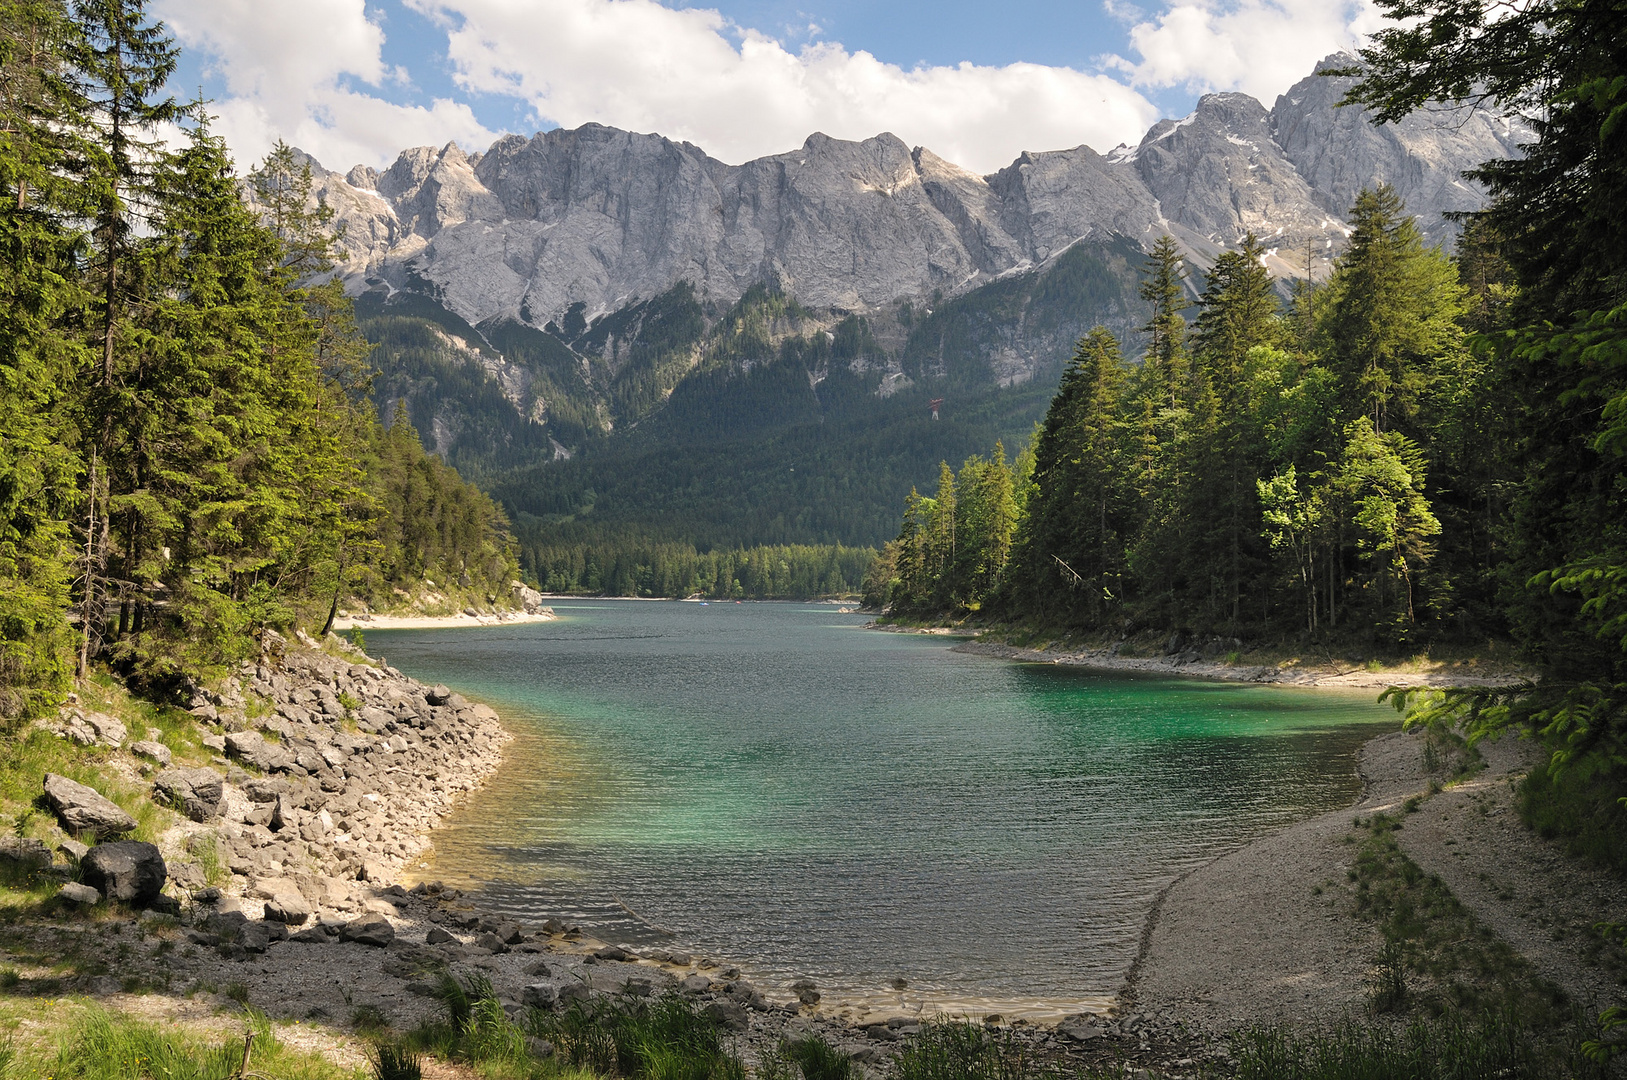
(602, 217)
(616, 328)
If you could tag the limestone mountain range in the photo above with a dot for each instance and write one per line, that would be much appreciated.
(602, 217)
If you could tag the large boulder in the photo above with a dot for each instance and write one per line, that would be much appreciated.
(85, 810)
(368, 930)
(127, 870)
(285, 903)
(529, 599)
(251, 748)
(197, 793)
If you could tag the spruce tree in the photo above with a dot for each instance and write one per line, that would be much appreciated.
(41, 301)
(1393, 310)
(1071, 561)
(1163, 289)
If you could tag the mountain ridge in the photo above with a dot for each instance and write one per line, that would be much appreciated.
(603, 217)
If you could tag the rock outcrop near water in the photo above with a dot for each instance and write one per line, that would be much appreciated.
(600, 216)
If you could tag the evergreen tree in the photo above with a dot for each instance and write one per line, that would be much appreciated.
(1393, 311)
(1238, 311)
(41, 300)
(1163, 289)
(1072, 557)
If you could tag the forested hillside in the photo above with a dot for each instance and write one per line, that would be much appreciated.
(763, 423)
(1263, 472)
(188, 454)
(1418, 450)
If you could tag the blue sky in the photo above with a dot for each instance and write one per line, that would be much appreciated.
(356, 80)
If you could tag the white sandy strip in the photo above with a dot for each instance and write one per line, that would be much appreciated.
(435, 622)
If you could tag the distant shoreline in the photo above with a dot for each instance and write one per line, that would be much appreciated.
(1324, 677)
(438, 622)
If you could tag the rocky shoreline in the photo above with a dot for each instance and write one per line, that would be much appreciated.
(327, 771)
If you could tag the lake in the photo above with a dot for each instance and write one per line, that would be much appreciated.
(776, 786)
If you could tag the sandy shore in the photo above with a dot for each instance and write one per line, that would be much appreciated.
(1299, 675)
(438, 622)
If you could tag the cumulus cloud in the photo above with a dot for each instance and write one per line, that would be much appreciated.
(290, 69)
(739, 94)
(1260, 47)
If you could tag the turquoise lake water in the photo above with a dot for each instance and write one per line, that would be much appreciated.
(772, 784)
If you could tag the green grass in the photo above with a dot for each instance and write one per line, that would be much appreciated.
(1450, 1048)
(94, 1044)
(665, 1038)
(1585, 813)
(1437, 956)
(956, 1050)
(393, 1061)
(477, 1032)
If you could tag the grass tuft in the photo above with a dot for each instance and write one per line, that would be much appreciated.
(1451, 1048)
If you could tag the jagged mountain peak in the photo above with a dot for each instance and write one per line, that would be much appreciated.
(598, 216)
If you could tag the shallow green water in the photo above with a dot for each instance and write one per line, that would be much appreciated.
(775, 785)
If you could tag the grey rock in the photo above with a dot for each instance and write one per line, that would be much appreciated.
(127, 870)
(529, 599)
(109, 731)
(24, 852)
(1079, 1030)
(195, 792)
(613, 952)
(438, 936)
(76, 731)
(287, 905)
(85, 810)
(77, 893)
(217, 743)
(368, 930)
(438, 694)
(154, 751)
(695, 984)
(728, 1015)
(596, 215)
(315, 935)
(256, 937)
(1339, 151)
(73, 850)
(251, 748)
(491, 943)
(540, 995)
(573, 991)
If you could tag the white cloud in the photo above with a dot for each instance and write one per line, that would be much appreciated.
(739, 94)
(287, 66)
(1260, 47)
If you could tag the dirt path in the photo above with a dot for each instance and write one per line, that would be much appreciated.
(1526, 889)
(1268, 935)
